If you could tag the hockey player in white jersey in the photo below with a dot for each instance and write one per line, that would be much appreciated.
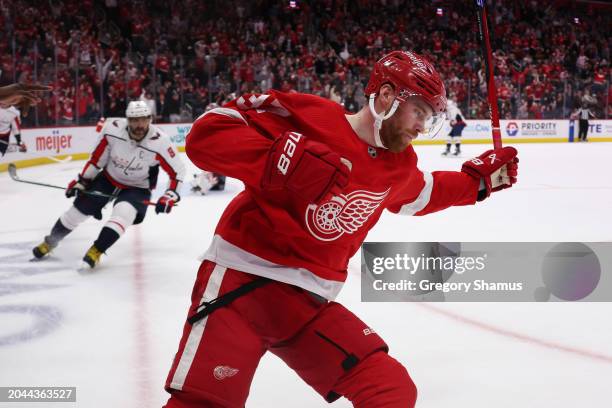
(125, 164)
(10, 123)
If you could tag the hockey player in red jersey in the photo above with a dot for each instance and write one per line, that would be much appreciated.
(316, 180)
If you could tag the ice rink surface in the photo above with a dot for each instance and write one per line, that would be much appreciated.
(113, 333)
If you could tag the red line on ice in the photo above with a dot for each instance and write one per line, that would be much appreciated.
(518, 336)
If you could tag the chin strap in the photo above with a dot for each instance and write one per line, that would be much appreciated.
(378, 119)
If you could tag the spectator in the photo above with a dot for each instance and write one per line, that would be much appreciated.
(147, 97)
(537, 54)
(173, 107)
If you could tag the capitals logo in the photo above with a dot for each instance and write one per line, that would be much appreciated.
(343, 214)
(512, 129)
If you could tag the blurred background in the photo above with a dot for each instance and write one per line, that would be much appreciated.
(551, 57)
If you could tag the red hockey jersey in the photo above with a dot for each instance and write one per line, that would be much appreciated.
(277, 236)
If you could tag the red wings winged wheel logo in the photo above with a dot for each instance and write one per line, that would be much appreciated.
(343, 214)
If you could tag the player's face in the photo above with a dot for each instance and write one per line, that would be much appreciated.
(138, 127)
(404, 126)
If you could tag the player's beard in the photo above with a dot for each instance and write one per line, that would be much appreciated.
(138, 133)
(395, 136)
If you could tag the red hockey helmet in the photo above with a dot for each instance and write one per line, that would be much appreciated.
(410, 75)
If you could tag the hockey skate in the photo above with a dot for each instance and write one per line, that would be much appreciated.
(91, 259)
(42, 250)
(446, 152)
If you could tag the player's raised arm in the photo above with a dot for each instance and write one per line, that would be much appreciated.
(222, 141)
(492, 171)
(436, 191)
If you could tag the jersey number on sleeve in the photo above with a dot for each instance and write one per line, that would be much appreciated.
(289, 150)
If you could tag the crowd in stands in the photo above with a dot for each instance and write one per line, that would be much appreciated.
(182, 57)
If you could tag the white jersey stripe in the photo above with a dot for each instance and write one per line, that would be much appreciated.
(232, 113)
(9, 120)
(225, 253)
(197, 330)
(423, 198)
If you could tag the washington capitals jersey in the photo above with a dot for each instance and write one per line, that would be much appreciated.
(276, 235)
(9, 121)
(128, 163)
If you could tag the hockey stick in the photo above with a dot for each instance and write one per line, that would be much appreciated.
(12, 170)
(483, 29)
